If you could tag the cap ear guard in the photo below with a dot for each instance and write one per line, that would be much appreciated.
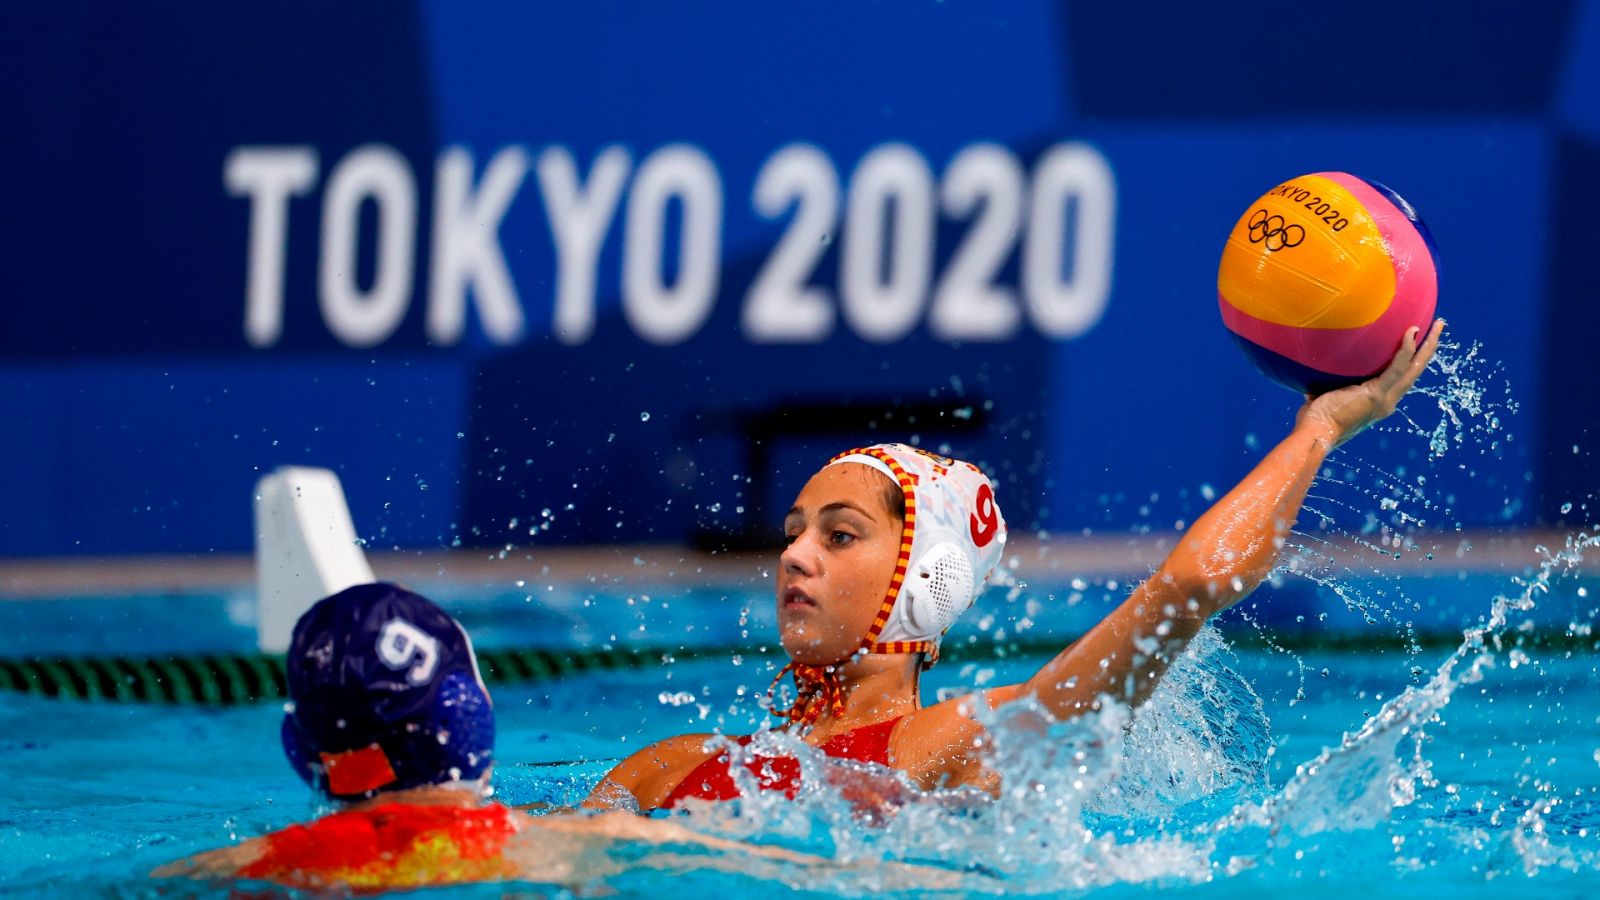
(937, 590)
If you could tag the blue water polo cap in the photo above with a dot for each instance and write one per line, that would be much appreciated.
(385, 694)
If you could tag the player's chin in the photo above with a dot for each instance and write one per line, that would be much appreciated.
(809, 645)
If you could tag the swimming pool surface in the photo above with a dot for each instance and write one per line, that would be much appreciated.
(1255, 770)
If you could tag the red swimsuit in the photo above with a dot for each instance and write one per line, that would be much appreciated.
(396, 845)
(711, 780)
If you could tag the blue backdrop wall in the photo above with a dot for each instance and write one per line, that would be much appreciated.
(607, 271)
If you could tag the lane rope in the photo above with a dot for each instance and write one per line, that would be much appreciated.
(232, 679)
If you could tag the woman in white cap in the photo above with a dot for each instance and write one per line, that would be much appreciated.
(887, 545)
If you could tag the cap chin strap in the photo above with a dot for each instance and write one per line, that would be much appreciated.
(816, 689)
(819, 688)
(908, 487)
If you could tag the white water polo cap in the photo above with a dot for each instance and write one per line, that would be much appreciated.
(953, 538)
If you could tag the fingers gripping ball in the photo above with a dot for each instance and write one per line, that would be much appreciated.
(1322, 276)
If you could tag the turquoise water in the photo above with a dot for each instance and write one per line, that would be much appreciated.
(1432, 768)
(1452, 749)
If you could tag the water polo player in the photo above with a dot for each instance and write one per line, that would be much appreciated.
(887, 545)
(390, 720)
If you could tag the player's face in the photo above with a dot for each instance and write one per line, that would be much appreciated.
(843, 544)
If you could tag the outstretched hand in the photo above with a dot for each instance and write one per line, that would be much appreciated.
(1347, 411)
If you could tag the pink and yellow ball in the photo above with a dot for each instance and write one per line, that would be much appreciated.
(1321, 277)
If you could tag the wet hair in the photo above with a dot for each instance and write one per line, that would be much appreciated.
(894, 499)
(890, 495)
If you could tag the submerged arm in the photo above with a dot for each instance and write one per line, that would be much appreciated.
(1223, 557)
(214, 865)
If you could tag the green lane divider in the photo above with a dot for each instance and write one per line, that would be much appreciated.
(231, 679)
(237, 678)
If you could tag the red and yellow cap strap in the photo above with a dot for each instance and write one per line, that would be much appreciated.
(816, 688)
(926, 647)
(908, 486)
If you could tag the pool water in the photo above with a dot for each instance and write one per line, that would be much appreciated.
(1256, 769)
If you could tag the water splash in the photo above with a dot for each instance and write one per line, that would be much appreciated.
(1176, 791)
(1474, 400)
(1201, 738)
(1179, 790)
(1070, 791)
(1360, 516)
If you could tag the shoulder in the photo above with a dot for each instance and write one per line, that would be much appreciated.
(667, 752)
(650, 774)
(943, 745)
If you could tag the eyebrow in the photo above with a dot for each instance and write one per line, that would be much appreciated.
(831, 507)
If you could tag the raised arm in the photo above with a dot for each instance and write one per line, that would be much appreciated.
(1223, 556)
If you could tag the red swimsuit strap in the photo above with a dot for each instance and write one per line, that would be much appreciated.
(869, 743)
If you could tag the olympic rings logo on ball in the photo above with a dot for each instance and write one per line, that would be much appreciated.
(1272, 229)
